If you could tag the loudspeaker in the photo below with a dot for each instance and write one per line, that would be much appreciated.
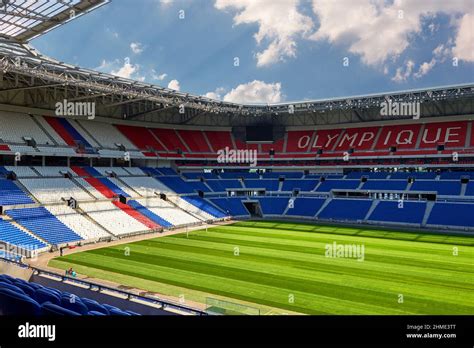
(281, 178)
(163, 196)
(11, 176)
(179, 151)
(296, 192)
(123, 199)
(363, 179)
(351, 151)
(440, 148)
(411, 179)
(393, 149)
(320, 151)
(201, 193)
(322, 179)
(271, 152)
(464, 180)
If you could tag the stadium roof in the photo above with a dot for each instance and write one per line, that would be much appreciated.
(24, 20)
(24, 70)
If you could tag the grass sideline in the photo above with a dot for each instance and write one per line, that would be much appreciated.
(282, 267)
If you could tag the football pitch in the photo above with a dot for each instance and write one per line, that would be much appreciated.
(285, 267)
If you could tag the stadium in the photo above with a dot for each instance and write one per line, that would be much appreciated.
(122, 198)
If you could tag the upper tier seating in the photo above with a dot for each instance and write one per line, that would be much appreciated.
(407, 212)
(15, 236)
(11, 194)
(16, 126)
(53, 171)
(221, 185)
(328, 185)
(416, 175)
(452, 214)
(268, 184)
(237, 175)
(106, 134)
(302, 184)
(145, 186)
(141, 137)
(76, 222)
(396, 185)
(287, 175)
(195, 140)
(44, 224)
(177, 184)
(307, 207)
(54, 190)
(22, 172)
(112, 218)
(346, 209)
(442, 187)
(19, 297)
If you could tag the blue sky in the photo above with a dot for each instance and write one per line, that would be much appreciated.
(286, 49)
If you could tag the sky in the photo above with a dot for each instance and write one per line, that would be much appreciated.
(273, 51)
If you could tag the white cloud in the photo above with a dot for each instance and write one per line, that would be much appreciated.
(136, 47)
(255, 92)
(464, 43)
(280, 23)
(126, 69)
(379, 30)
(156, 76)
(174, 84)
(217, 94)
(403, 73)
(425, 68)
(166, 2)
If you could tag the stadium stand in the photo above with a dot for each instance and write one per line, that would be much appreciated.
(305, 207)
(20, 297)
(346, 209)
(44, 224)
(405, 212)
(15, 236)
(11, 194)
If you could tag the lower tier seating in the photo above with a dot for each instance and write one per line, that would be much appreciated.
(19, 297)
(405, 212)
(44, 224)
(13, 235)
(346, 209)
(452, 214)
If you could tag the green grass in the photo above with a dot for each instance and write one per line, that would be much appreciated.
(283, 266)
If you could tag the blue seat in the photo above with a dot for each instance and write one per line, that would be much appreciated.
(118, 312)
(12, 287)
(94, 306)
(96, 313)
(45, 295)
(74, 303)
(49, 308)
(6, 278)
(27, 289)
(13, 303)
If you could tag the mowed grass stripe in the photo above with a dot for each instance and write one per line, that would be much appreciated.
(263, 262)
(253, 292)
(266, 258)
(303, 227)
(318, 275)
(383, 255)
